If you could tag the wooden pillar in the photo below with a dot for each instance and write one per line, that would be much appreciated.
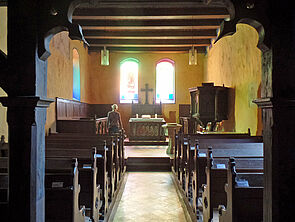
(278, 114)
(31, 25)
(26, 118)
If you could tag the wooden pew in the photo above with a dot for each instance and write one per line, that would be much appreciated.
(118, 149)
(90, 194)
(232, 149)
(244, 196)
(216, 178)
(3, 147)
(84, 152)
(190, 159)
(69, 140)
(4, 188)
(62, 191)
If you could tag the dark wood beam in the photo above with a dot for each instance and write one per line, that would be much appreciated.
(152, 28)
(201, 49)
(147, 17)
(155, 34)
(143, 23)
(180, 10)
(149, 42)
(3, 2)
(113, 3)
(148, 45)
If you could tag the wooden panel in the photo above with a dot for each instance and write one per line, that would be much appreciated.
(100, 110)
(184, 110)
(70, 109)
(146, 109)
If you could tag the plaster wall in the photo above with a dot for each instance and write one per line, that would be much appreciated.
(60, 72)
(3, 47)
(3, 29)
(235, 61)
(105, 80)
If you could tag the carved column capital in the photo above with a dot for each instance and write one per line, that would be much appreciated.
(270, 102)
(26, 101)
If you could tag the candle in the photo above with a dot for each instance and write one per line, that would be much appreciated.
(156, 115)
(136, 115)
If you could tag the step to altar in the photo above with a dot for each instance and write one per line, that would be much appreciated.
(127, 142)
(153, 164)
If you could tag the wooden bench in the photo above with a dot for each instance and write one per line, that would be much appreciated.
(244, 192)
(77, 140)
(3, 147)
(62, 191)
(118, 139)
(229, 149)
(190, 157)
(4, 188)
(83, 151)
(216, 177)
(90, 195)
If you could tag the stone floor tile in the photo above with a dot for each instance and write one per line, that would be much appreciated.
(149, 196)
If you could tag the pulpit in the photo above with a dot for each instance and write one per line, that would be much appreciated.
(170, 129)
(147, 129)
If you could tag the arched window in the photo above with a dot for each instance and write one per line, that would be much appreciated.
(76, 76)
(129, 80)
(165, 81)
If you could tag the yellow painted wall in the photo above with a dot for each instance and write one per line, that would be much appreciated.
(3, 47)
(105, 80)
(235, 61)
(3, 29)
(60, 72)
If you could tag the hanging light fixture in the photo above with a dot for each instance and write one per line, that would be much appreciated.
(192, 53)
(193, 56)
(105, 57)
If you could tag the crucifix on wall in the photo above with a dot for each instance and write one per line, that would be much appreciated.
(147, 90)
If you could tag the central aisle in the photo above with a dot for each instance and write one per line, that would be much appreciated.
(149, 196)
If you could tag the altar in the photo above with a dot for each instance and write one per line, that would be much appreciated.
(147, 129)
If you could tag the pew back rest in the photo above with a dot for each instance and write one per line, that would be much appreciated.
(253, 179)
(241, 163)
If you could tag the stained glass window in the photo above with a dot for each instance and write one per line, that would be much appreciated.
(165, 81)
(76, 76)
(129, 81)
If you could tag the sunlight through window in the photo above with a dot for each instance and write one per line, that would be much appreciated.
(165, 81)
(76, 76)
(129, 81)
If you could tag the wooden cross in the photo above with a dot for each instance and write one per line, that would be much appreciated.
(147, 90)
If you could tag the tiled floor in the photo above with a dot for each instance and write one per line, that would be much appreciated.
(149, 196)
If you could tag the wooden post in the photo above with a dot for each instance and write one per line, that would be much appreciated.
(31, 25)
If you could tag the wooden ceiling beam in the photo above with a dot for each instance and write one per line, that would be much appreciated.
(155, 34)
(180, 10)
(149, 45)
(111, 23)
(148, 42)
(146, 28)
(145, 17)
(200, 49)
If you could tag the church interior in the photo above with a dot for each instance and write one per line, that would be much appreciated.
(154, 59)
